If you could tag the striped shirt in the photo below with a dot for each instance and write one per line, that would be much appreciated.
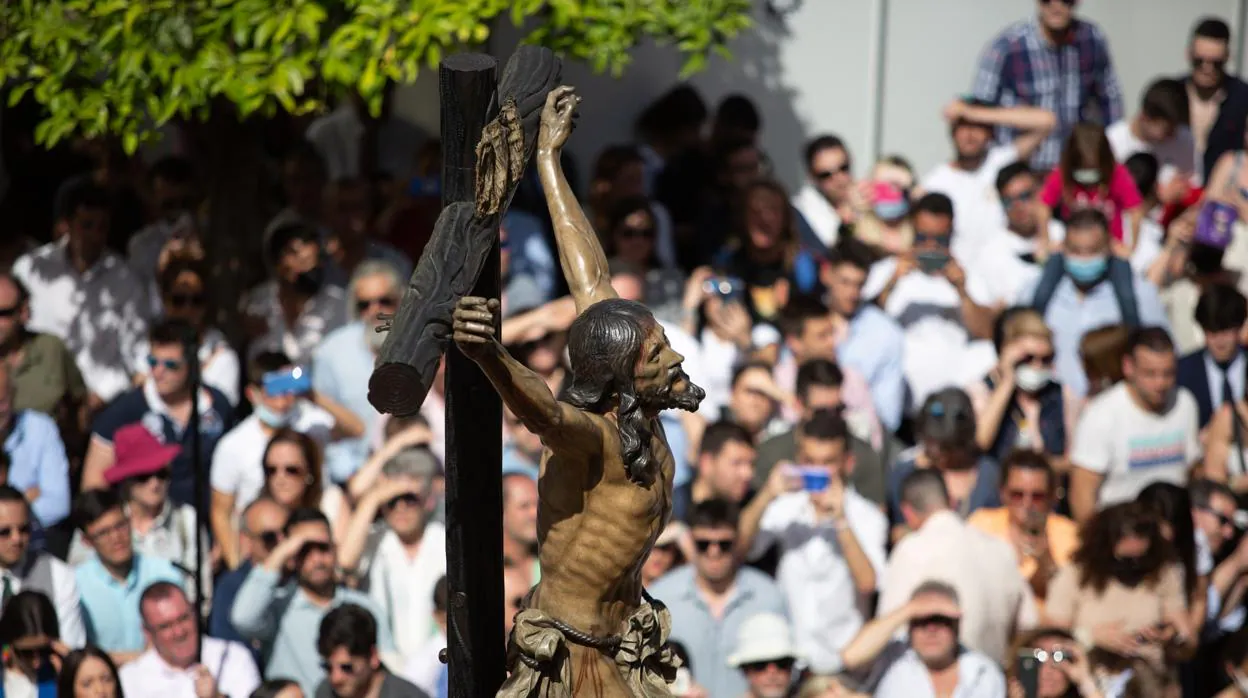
(1074, 80)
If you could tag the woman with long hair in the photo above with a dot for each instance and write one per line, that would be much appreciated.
(1123, 595)
(630, 238)
(30, 637)
(1088, 176)
(619, 175)
(885, 221)
(293, 477)
(1172, 505)
(89, 673)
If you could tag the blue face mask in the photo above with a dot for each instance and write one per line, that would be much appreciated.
(1086, 271)
(270, 418)
(891, 211)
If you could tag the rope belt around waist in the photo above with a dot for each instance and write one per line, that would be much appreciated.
(609, 644)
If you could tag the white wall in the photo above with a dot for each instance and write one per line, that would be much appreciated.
(816, 71)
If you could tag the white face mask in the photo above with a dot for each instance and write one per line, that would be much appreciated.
(1087, 176)
(1030, 379)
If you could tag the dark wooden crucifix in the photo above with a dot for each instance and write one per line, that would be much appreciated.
(489, 132)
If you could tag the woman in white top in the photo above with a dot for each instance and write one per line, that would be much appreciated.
(294, 478)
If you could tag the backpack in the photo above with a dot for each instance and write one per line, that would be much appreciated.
(1120, 276)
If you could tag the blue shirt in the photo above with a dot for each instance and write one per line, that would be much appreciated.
(286, 621)
(144, 406)
(223, 594)
(111, 608)
(38, 460)
(341, 368)
(985, 494)
(873, 348)
(710, 641)
(1070, 317)
(531, 259)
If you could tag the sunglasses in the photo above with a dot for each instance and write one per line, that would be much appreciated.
(30, 655)
(121, 527)
(409, 499)
(1022, 198)
(1021, 496)
(1223, 519)
(704, 545)
(291, 470)
(1216, 63)
(186, 300)
(783, 664)
(163, 475)
(315, 547)
(941, 239)
(10, 311)
(167, 364)
(829, 174)
(629, 232)
(348, 669)
(8, 531)
(1043, 359)
(385, 303)
(268, 538)
(926, 621)
(1067, 3)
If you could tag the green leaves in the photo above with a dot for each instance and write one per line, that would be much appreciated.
(126, 67)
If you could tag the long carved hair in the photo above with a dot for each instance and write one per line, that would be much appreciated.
(604, 344)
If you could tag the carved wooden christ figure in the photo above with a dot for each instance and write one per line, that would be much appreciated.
(588, 628)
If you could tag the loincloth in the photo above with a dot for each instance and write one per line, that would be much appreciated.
(538, 659)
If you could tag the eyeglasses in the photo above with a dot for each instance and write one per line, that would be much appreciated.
(167, 364)
(8, 531)
(1024, 496)
(348, 669)
(288, 470)
(1067, 3)
(385, 303)
(925, 621)
(783, 664)
(163, 474)
(170, 624)
(411, 500)
(10, 311)
(268, 538)
(704, 545)
(829, 174)
(1215, 63)
(1223, 519)
(121, 527)
(30, 655)
(930, 238)
(186, 300)
(1022, 198)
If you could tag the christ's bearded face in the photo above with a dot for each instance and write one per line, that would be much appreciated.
(660, 381)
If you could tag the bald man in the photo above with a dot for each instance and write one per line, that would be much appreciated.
(261, 530)
(520, 526)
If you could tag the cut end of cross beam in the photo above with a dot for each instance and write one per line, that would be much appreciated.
(395, 388)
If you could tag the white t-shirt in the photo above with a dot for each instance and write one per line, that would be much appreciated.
(999, 263)
(403, 587)
(237, 464)
(929, 311)
(1173, 156)
(977, 208)
(1134, 448)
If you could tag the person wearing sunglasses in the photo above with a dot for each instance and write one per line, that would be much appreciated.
(261, 523)
(37, 464)
(282, 603)
(294, 478)
(929, 661)
(1010, 253)
(347, 642)
(631, 231)
(1027, 65)
(24, 569)
(33, 652)
(765, 656)
(826, 200)
(715, 596)
(400, 557)
(1219, 102)
(178, 662)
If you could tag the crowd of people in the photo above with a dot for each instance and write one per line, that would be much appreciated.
(974, 433)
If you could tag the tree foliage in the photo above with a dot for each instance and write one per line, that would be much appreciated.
(124, 67)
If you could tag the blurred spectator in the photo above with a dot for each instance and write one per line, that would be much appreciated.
(349, 214)
(356, 143)
(178, 663)
(826, 200)
(630, 234)
(945, 431)
(162, 404)
(38, 466)
(174, 200)
(424, 667)
(724, 470)
(522, 449)
(1218, 102)
(285, 616)
(1172, 506)
(1235, 664)
(24, 569)
(1062, 669)
(520, 525)
(33, 648)
(930, 660)
(831, 540)
(159, 528)
(885, 223)
(1138, 432)
(1009, 256)
(303, 186)
(89, 673)
(619, 176)
(237, 474)
(400, 558)
(1088, 177)
(668, 127)
(1160, 128)
(1042, 539)
(294, 478)
(112, 579)
(867, 339)
(762, 247)
(293, 312)
(755, 401)
(969, 181)
(667, 554)
(43, 373)
(712, 598)
(348, 644)
(765, 655)
(528, 275)
(1024, 65)
(343, 361)
(818, 389)
(260, 531)
(1085, 287)
(84, 294)
(996, 600)
(1019, 405)
(1122, 594)
(940, 305)
(1101, 352)
(1214, 375)
(715, 316)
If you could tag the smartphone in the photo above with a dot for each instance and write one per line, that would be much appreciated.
(683, 682)
(814, 478)
(291, 381)
(1027, 669)
(729, 288)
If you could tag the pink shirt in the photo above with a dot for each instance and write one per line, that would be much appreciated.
(1121, 196)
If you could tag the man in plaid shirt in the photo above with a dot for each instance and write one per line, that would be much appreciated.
(1056, 62)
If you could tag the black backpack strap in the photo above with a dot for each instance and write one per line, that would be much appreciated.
(1122, 279)
(1050, 277)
